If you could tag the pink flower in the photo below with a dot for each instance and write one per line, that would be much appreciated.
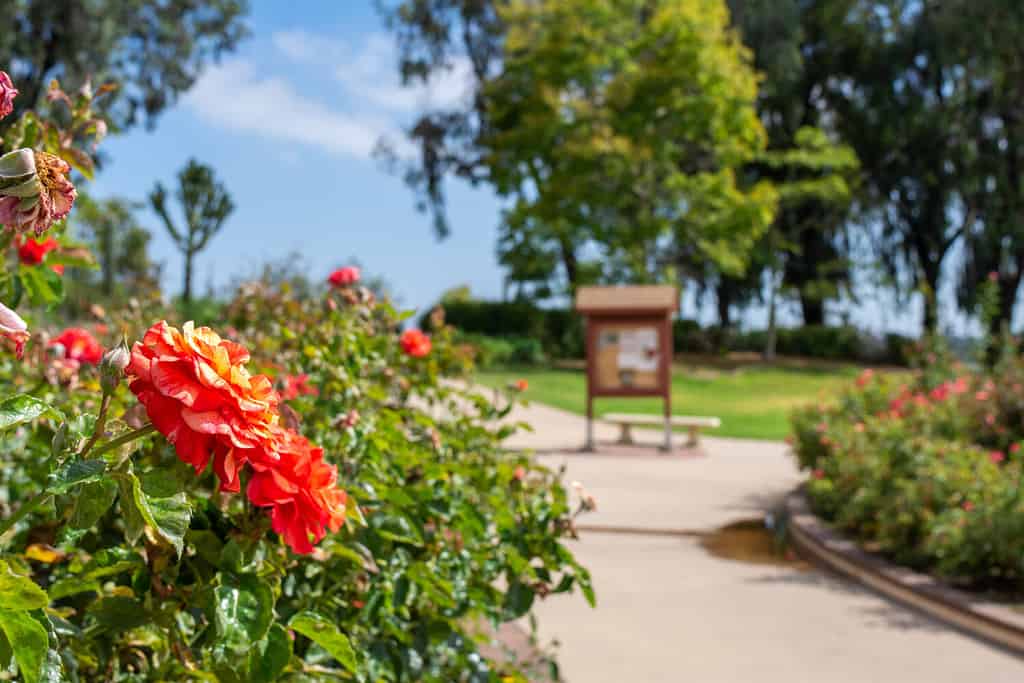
(967, 506)
(34, 190)
(990, 419)
(996, 457)
(993, 276)
(7, 94)
(297, 385)
(13, 328)
(865, 377)
(342, 277)
(1015, 447)
(981, 396)
(520, 473)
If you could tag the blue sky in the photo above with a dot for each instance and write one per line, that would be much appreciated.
(289, 122)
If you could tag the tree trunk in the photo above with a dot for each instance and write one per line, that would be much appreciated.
(186, 295)
(769, 344)
(724, 301)
(931, 297)
(569, 262)
(813, 309)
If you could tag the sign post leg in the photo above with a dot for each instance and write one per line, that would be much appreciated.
(588, 446)
(667, 446)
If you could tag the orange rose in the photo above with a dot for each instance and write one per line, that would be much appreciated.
(198, 393)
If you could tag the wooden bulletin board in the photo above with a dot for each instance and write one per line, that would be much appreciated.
(629, 344)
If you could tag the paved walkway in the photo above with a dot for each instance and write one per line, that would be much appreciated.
(670, 612)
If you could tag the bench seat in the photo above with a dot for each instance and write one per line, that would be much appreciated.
(693, 424)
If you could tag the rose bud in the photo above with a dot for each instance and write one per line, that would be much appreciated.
(112, 366)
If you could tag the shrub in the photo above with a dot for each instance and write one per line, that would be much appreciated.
(553, 332)
(193, 524)
(490, 352)
(927, 472)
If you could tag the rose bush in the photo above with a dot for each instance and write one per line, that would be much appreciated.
(926, 468)
(166, 513)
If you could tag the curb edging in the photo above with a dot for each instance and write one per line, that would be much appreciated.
(986, 620)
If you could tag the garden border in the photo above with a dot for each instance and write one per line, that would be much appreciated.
(988, 621)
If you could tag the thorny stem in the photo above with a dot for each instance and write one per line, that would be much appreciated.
(128, 437)
(101, 424)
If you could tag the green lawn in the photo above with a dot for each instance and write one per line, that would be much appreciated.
(752, 401)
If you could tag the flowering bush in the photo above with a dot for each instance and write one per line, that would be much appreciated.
(167, 514)
(927, 470)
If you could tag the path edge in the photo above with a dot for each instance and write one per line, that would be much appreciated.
(988, 621)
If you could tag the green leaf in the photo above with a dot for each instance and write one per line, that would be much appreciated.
(206, 543)
(19, 592)
(73, 585)
(28, 640)
(74, 473)
(243, 610)
(119, 613)
(270, 656)
(5, 651)
(518, 600)
(168, 517)
(93, 500)
(23, 408)
(326, 635)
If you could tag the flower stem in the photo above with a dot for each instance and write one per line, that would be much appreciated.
(142, 431)
(101, 424)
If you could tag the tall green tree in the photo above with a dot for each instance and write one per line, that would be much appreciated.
(120, 243)
(808, 242)
(154, 50)
(205, 205)
(617, 126)
(895, 100)
(986, 35)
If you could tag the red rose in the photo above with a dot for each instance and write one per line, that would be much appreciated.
(342, 277)
(32, 252)
(79, 345)
(415, 343)
(299, 488)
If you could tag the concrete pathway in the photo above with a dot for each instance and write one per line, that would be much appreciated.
(670, 612)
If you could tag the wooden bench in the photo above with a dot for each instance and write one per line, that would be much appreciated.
(693, 424)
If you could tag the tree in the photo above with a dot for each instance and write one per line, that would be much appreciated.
(205, 205)
(986, 37)
(808, 241)
(615, 126)
(894, 97)
(120, 243)
(153, 50)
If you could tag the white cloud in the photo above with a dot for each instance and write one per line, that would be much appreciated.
(233, 95)
(236, 95)
(371, 73)
(305, 47)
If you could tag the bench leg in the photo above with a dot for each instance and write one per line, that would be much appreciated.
(626, 435)
(694, 439)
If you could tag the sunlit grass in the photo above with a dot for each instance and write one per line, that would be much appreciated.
(752, 401)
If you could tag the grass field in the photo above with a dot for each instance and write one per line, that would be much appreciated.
(752, 401)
